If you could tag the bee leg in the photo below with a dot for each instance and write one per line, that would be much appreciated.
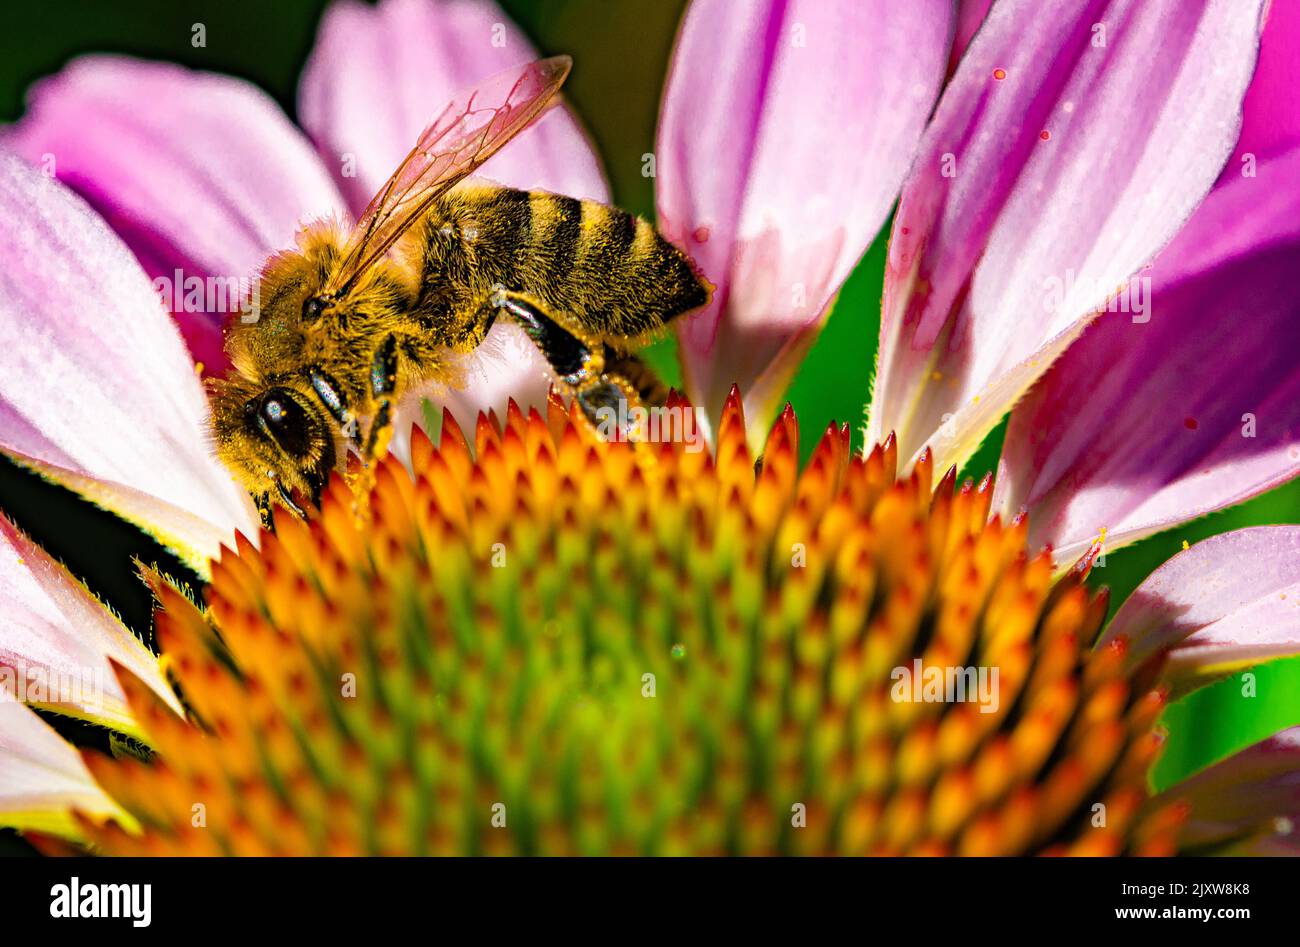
(643, 379)
(608, 403)
(383, 383)
(608, 385)
(381, 433)
(614, 402)
(574, 359)
(266, 506)
(263, 503)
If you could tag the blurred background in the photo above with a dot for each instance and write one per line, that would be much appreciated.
(621, 49)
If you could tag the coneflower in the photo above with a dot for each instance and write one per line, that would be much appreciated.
(548, 644)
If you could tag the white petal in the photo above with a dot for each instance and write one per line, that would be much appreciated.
(56, 633)
(96, 388)
(43, 778)
(1228, 602)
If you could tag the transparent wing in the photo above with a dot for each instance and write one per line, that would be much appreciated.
(473, 127)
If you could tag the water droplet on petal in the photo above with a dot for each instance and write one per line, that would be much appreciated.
(1045, 135)
(999, 74)
(700, 234)
(679, 651)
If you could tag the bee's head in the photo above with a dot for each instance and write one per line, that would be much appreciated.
(276, 439)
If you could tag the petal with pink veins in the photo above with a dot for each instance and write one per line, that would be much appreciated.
(198, 172)
(1153, 419)
(43, 779)
(1230, 601)
(376, 78)
(1073, 142)
(97, 391)
(57, 640)
(785, 132)
(1247, 804)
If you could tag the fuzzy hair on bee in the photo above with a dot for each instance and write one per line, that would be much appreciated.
(270, 424)
(353, 319)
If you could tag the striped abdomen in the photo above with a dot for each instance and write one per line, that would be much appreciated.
(608, 270)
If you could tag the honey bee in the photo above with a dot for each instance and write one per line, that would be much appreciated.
(350, 322)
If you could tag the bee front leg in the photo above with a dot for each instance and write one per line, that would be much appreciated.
(263, 503)
(383, 385)
(374, 446)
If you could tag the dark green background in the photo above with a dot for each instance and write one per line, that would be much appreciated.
(621, 48)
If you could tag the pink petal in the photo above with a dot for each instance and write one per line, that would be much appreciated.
(57, 634)
(1228, 602)
(1143, 425)
(378, 76)
(785, 132)
(1050, 163)
(1249, 802)
(43, 779)
(1271, 112)
(197, 172)
(970, 17)
(96, 389)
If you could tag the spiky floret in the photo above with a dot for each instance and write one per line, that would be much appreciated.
(544, 643)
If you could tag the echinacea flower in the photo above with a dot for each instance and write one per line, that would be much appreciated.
(546, 643)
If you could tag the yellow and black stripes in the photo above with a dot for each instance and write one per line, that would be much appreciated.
(597, 267)
(554, 251)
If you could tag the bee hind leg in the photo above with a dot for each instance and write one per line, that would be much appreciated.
(574, 359)
(607, 384)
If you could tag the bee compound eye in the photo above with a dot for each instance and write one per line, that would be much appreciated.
(282, 417)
